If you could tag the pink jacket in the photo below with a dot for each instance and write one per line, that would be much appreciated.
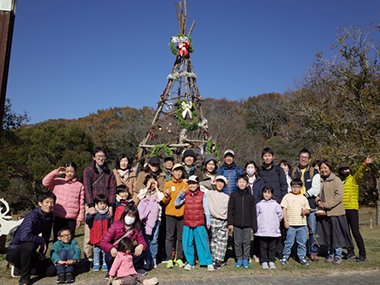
(115, 232)
(70, 196)
(148, 212)
(122, 266)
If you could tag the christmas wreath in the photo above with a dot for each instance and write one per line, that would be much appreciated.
(211, 149)
(181, 45)
(186, 111)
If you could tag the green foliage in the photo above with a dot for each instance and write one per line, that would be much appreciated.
(161, 150)
(191, 124)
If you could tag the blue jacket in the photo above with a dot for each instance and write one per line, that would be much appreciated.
(231, 172)
(35, 223)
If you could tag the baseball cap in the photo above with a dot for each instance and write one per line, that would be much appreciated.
(193, 178)
(221, 177)
(229, 152)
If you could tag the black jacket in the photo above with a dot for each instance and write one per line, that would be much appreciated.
(274, 177)
(242, 210)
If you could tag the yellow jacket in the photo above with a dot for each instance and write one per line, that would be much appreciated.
(175, 187)
(351, 189)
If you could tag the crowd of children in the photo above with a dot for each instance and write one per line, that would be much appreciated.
(183, 215)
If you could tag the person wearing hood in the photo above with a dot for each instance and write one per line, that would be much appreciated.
(351, 184)
(230, 170)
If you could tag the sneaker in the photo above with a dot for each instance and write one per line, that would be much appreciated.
(264, 265)
(15, 272)
(351, 257)
(107, 276)
(329, 259)
(284, 261)
(210, 267)
(180, 263)
(169, 264)
(154, 263)
(304, 262)
(245, 263)
(360, 259)
(104, 267)
(96, 267)
(239, 263)
(256, 259)
(189, 267)
(70, 278)
(272, 265)
(61, 279)
(337, 261)
(217, 264)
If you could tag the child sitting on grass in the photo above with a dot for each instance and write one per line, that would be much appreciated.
(65, 254)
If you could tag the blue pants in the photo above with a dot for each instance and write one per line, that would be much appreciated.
(199, 235)
(65, 255)
(312, 226)
(97, 252)
(152, 241)
(298, 234)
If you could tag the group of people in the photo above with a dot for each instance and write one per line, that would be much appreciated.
(181, 213)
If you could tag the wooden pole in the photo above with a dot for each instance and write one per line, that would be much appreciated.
(378, 202)
(7, 19)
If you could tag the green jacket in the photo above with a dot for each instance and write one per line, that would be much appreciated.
(58, 246)
(351, 189)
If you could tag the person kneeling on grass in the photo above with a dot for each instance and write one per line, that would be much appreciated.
(196, 208)
(65, 254)
(123, 271)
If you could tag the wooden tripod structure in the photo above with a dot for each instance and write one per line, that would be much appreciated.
(178, 123)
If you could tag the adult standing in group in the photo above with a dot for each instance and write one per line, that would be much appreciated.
(332, 229)
(153, 168)
(230, 170)
(125, 175)
(311, 187)
(274, 177)
(255, 183)
(29, 244)
(97, 179)
(69, 207)
(167, 167)
(351, 184)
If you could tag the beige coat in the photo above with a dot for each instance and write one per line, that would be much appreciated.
(332, 194)
(129, 181)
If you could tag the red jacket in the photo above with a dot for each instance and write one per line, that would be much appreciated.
(115, 232)
(194, 212)
(98, 225)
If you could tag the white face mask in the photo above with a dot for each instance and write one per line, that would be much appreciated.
(129, 220)
(250, 171)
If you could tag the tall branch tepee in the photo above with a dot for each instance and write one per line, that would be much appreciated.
(178, 122)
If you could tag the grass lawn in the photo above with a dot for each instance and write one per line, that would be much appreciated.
(371, 238)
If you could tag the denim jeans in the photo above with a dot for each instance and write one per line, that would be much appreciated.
(152, 241)
(312, 226)
(65, 255)
(97, 252)
(298, 234)
(335, 252)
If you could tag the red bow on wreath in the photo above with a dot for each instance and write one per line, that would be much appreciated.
(183, 49)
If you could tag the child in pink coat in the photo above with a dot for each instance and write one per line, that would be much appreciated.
(69, 207)
(123, 270)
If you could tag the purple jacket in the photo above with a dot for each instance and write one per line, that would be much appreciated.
(269, 215)
(148, 213)
(115, 232)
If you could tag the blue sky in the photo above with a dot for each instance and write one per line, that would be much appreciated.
(71, 58)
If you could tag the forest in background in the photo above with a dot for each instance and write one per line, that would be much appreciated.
(335, 113)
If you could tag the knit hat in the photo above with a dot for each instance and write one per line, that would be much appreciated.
(189, 152)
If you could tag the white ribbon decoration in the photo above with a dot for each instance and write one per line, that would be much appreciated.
(186, 107)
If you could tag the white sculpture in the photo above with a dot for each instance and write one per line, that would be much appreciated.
(6, 222)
